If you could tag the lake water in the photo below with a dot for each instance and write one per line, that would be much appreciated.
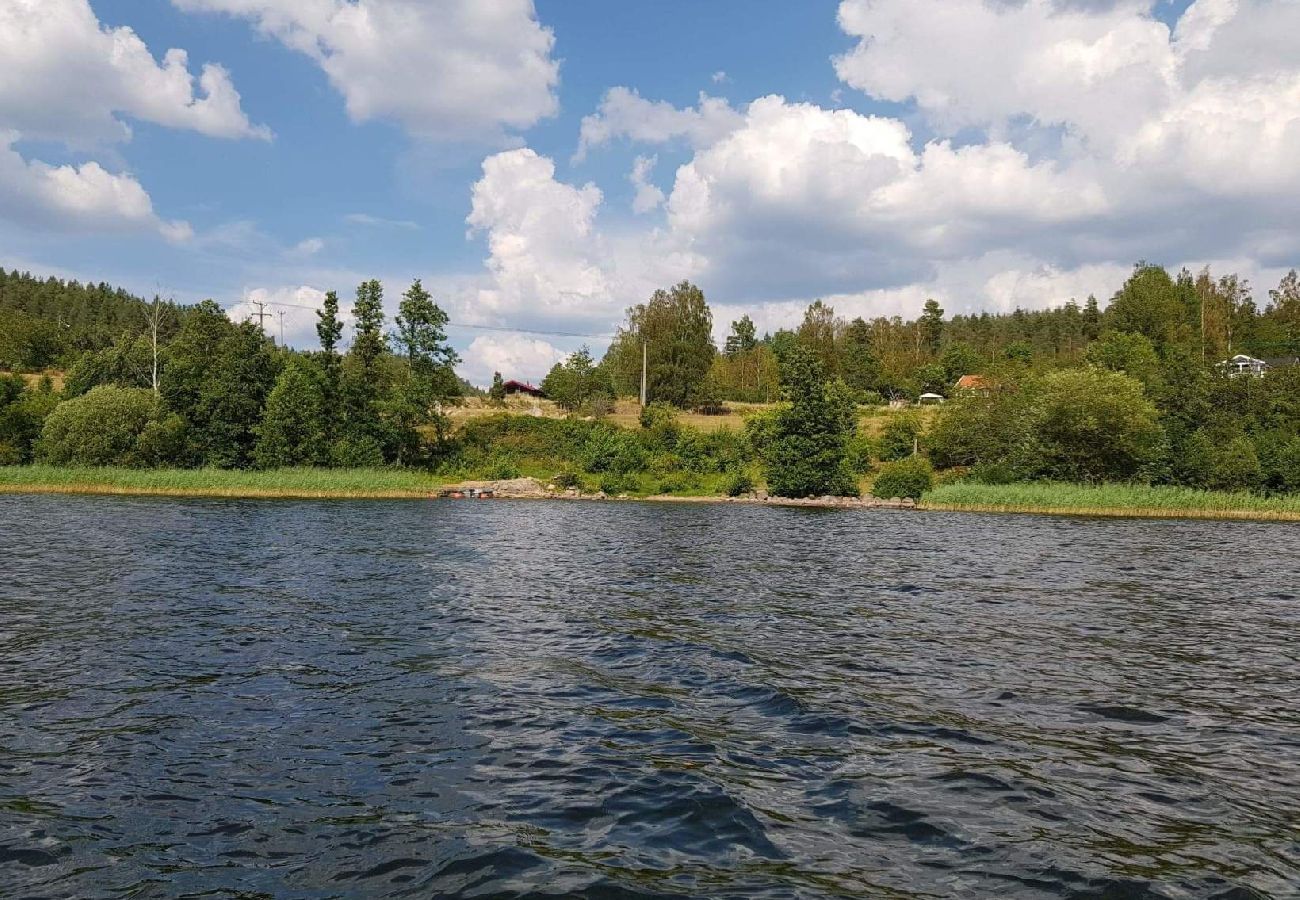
(508, 698)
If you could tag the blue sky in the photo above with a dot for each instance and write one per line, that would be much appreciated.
(543, 166)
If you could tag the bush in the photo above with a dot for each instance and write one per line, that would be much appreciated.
(909, 477)
(1236, 466)
(359, 452)
(501, 467)
(162, 442)
(994, 473)
(613, 450)
(861, 450)
(566, 480)
(612, 484)
(656, 415)
(899, 437)
(100, 428)
(737, 483)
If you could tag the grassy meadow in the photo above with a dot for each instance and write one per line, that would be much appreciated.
(1110, 500)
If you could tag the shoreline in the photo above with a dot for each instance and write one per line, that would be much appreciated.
(1112, 512)
(383, 485)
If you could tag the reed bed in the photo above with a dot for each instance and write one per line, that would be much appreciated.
(277, 483)
(1111, 500)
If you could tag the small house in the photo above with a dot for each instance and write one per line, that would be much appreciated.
(929, 399)
(523, 387)
(973, 384)
(1241, 364)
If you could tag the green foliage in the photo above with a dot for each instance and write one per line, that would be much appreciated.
(368, 320)
(162, 441)
(676, 328)
(497, 393)
(909, 477)
(1094, 426)
(22, 414)
(960, 359)
(858, 363)
(224, 420)
(127, 363)
(1127, 352)
(329, 327)
(899, 437)
(1148, 304)
(100, 428)
(577, 381)
(809, 452)
(743, 337)
(1081, 425)
(293, 429)
(931, 325)
(361, 451)
(737, 483)
(820, 333)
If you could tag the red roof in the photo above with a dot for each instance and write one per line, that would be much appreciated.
(522, 387)
(973, 383)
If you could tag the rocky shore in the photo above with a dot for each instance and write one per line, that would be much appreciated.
(533, 489)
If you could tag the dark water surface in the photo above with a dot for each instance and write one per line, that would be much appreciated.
(501, 699)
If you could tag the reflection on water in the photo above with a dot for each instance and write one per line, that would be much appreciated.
(502, 699)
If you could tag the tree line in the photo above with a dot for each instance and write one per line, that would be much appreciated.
(225, 395)
(1131, 391)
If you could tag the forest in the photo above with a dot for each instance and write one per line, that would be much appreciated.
(1134, 391)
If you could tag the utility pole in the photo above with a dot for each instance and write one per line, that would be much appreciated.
(261, 314)
(644, 358)
(280, 313)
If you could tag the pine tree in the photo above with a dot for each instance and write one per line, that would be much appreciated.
(931, 324)
(1091, 319)
(497, 393)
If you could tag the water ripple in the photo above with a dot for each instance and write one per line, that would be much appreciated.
(248, 699)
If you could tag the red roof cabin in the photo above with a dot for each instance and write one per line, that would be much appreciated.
(523, 387)
(975, 384)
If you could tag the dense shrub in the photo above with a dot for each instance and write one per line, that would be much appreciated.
(737, 483)
(357, 451)
(100, 428)
(899, 436)
(909, 477)
(22, 414)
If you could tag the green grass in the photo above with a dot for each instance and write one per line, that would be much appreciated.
(285, 483)
(1111, 500)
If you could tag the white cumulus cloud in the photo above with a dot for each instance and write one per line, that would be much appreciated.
(515, 356)
(443, 69)
(623, 113)
(65, 78)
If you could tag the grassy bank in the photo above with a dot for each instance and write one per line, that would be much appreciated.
(1111, 500)
(279, 483)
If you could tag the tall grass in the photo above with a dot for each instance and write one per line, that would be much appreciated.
(286, 483)
(1111, 500)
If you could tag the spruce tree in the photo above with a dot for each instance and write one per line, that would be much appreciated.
(809, 455)
(497, 393)
(931, 324)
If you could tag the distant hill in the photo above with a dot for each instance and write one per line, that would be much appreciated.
(45, 322)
